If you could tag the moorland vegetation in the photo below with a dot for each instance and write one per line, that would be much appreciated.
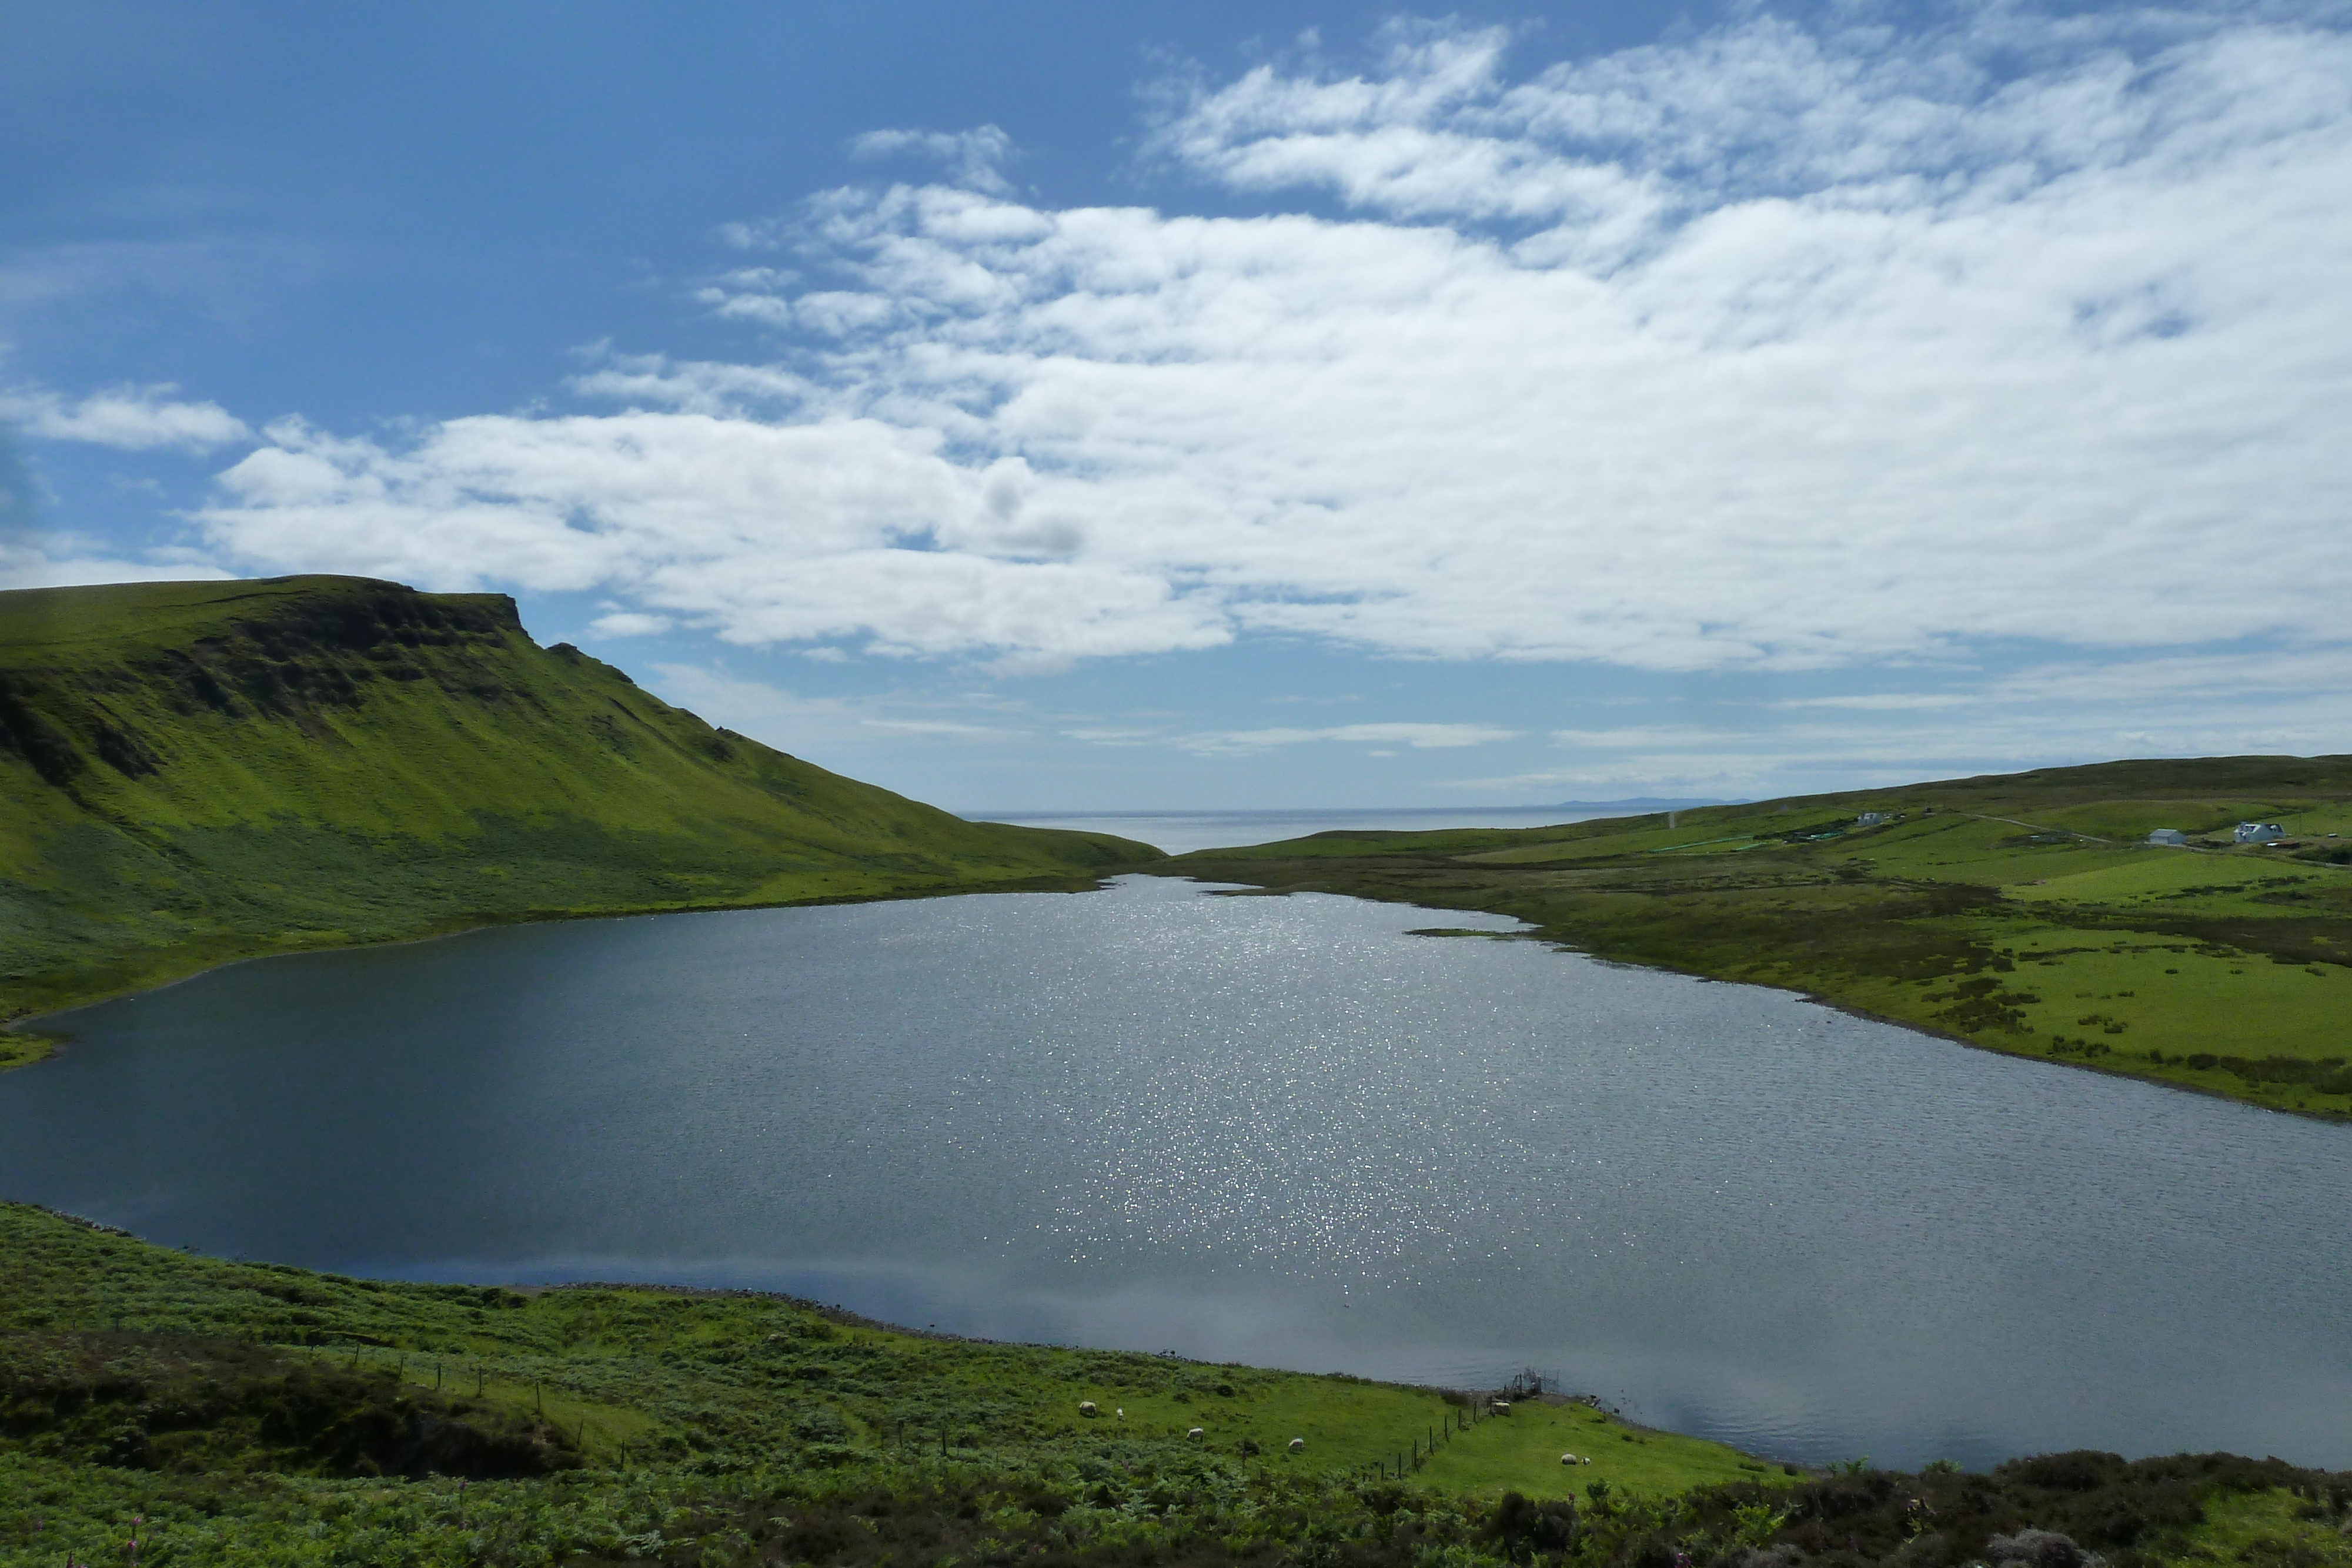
(2023, 913)
(233, 1412)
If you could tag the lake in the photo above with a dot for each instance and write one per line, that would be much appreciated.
(1271, 1130)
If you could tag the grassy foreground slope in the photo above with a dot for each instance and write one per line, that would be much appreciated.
(2025, 914)
(248, 1414)
(191, 772)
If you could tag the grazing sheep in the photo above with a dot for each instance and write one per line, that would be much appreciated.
(1086, 1407)
(1298, 1445)
(1567, 1459)
(1500, 1407)
(1198, 1432)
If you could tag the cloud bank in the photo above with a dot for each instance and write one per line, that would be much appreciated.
(131, 418)
(1776, 349)
(972, 158)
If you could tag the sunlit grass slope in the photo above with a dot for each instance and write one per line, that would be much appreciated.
(130, 1369)
(191, 772)
(2024, 913)
(251, 1414)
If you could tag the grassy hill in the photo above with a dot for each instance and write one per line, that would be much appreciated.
(2024, 913)
(193, 772)
(251, 1414)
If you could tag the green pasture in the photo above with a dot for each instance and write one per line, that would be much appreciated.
(1523, 1452)
(2023, 913)
(2179, 997)
(1348, 1424)
(2270, 1529)
(2152, 1007)
(1951, 847)
(2121, 876)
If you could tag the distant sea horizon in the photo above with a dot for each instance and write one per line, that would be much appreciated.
(1181, 831)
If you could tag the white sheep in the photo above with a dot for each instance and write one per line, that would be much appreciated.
(1298, 1445)
(1086, 1407)
(1198, 1432)
(1567, 1459)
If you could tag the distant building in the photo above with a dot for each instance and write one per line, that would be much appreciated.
(2172, 838)
(1870, 819)
(2258, 832)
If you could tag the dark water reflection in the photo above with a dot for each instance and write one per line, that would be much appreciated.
(1253, 1129)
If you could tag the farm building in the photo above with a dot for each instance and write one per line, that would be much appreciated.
(2172, 838)
(2258, 832)
(1870, 819)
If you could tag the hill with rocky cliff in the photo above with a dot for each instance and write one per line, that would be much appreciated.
(195, 772)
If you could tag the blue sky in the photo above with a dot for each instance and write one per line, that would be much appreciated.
(1060, 407)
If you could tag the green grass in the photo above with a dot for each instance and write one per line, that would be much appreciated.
(2023, 913)
(610, 1358)
(196, 772)
(106, 1344)
(252, 1414)
(1523, 1452)
(2271, 1529)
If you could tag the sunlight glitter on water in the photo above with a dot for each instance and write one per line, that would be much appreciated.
(1277, 1130)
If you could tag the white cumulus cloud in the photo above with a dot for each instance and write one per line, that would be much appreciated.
(629, 624)
(1776, 347)
(133, 418)
(778, 532)
(974, 158)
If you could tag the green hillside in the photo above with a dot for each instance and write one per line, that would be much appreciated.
(193, 772)
(2024, 913)
(257, 1415)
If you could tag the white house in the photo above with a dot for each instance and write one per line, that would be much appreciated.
(2258, 832)
(1871, 819)
(2172, 838)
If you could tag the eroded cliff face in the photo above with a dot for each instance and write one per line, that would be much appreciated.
(66, 702)
(190, 771)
